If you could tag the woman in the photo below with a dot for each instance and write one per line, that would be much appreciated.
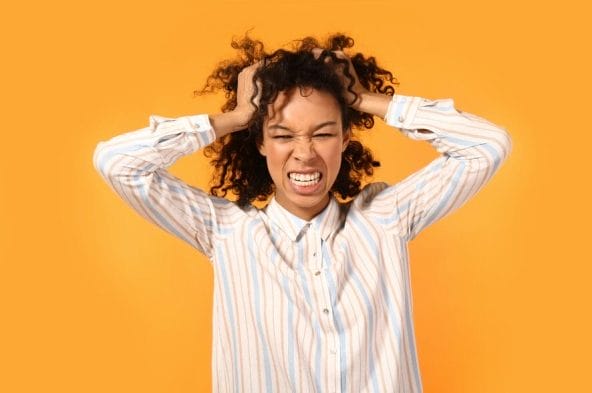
(312, 290)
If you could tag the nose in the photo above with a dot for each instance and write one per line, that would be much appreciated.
(304, 149)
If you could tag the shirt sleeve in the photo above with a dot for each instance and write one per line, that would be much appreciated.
(472, 150)
(134, 166)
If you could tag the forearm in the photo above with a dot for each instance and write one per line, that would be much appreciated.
(141, 152)
(228, 122)
(457, 134)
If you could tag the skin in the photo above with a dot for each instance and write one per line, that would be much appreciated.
(292, 139)
(304, 136)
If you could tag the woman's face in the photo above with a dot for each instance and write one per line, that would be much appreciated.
(303, 140)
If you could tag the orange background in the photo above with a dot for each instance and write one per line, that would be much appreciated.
(95, 299)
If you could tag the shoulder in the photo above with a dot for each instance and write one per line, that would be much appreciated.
(368, 194)
(228, 212)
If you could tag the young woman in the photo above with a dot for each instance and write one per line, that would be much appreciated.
(312, 291)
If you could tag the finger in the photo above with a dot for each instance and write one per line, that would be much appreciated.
(250, 69)
(256, 64)
(340, 54)
(259, 85)
(317, 53)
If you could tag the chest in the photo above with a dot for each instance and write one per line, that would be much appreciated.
(312, 269)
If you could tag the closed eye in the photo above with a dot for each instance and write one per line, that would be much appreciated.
(323, 135)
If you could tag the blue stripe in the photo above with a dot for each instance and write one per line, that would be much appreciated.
(435, 166)
(275, 257)
(409, 316)
(458, 141)
(273, 237)
(291, 328)
(371, 320)
(338, 320)
(298, 224)
(446, 197)
(108, 153)
(205, 138)
(495, 154)
(156, 215)
(444, 105)
(228, 299)
(365, 232)
(391, 309)
(399, 108)
(260, 331)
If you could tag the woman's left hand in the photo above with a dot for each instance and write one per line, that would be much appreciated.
(354, 100)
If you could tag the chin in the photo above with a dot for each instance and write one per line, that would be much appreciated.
(310, 201)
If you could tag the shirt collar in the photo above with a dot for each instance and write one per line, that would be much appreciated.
(326, 222)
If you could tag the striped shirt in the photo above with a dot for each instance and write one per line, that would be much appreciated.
(317, 306)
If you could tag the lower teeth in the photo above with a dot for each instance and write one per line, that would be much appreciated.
(305, 183)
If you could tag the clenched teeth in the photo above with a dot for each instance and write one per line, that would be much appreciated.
(305, 179)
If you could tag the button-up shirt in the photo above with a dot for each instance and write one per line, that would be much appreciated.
(310, 306)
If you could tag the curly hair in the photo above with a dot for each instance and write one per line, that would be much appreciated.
(239, 167)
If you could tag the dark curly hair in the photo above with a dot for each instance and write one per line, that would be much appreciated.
(239, 166)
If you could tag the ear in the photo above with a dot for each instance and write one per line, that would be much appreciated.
(346, 139)
(261, 148)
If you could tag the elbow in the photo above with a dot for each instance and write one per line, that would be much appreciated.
(504, 144)
(498, 148)
(101, 160)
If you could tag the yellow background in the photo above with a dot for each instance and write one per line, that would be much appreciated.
(95, 299)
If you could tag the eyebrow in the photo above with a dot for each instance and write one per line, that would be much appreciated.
(318, 127)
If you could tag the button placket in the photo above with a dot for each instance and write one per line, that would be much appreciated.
(334, 370)
(316, 252)
(326, 312)
(320, 286)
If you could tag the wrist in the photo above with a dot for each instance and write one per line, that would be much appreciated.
(373, 103)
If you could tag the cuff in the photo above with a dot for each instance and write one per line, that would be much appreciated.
(401, 111)
(196, 124)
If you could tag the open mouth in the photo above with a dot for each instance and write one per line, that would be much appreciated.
(305, 179)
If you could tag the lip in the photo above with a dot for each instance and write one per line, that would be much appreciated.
(305, 171)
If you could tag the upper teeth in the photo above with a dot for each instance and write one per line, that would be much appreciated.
(305, 176)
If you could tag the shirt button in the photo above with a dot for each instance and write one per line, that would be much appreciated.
(326, 310)
(314, 254)
(317, 273)
(401, 119)
(196, 125)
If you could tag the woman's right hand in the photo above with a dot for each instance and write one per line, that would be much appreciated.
(237, 119)
(246, 89)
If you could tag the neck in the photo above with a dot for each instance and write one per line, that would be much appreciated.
(305, 213)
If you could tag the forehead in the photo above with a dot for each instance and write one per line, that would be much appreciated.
(302, 107)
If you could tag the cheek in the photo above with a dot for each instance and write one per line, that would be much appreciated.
(336, 165)
(276, 159)
(332, 156)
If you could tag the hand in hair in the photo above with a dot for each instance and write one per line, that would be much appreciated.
(349, 79)
(358, 97)
(246, 104)
(246, 89)
(240, 168)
